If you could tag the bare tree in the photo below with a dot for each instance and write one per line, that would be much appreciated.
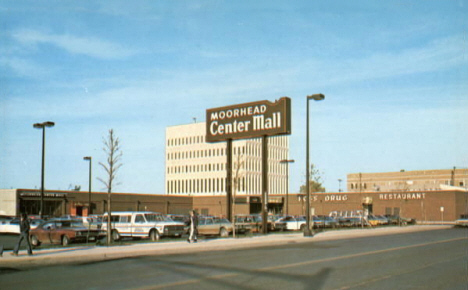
(114, 156)
(315, 182)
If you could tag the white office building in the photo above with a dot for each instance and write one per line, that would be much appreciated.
(194, 167)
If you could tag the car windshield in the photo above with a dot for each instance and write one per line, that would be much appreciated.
(151, 217)
(257, 218)
(272, 218)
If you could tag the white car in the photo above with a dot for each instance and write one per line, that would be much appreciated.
(293, 223)
(13, 226)
(142, 224)
(461, 222)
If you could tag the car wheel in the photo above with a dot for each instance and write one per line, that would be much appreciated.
(35, 241)
(115, 235)
(223, 233)
(65, 241)
(154, 235)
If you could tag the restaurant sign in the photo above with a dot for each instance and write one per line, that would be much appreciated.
(249, 120)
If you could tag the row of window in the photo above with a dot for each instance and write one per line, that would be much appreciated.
(410, 185)
(278, 153)
(196, 154)
(250, 164)
(186, 140)
(196, 168)
(250, 185)
(356, 186)
(281, 141)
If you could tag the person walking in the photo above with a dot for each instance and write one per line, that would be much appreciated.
(193, 223)
(24, 234)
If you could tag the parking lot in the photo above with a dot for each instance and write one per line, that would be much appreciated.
(247, 226)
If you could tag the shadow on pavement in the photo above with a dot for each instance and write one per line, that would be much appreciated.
(312, 281)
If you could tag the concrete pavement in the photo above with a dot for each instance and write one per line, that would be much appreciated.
(76, 255)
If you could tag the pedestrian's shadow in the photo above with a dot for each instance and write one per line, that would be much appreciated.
(307, 281)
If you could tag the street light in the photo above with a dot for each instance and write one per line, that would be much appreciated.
(43, 126)
(307, 231)
(287, 161)
(89, 158)
(339, 181)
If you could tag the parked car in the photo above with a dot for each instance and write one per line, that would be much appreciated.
(293, 223)
(397, 220)
(12, 226)
(322, 221)
(353, 221)
(254, 222)
(214, 226)
(345, 222)
(463, 222)
(318, 222)
(377, 220)
(276, 224)
(243, 228)
(58, 231)
(182, 218)
(383, 220)
(91, 222)
(145, 224)
(138, 224)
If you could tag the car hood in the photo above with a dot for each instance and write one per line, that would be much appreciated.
(168, 223)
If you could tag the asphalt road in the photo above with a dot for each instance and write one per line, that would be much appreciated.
(435, 259)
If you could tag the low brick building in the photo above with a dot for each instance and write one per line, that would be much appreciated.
(441, 205)
(416, 180)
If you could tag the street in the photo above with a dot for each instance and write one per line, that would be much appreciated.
(436, 259)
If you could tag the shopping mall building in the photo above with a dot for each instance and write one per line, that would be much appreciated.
(434, 205)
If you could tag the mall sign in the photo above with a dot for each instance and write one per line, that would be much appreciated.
(249, 120)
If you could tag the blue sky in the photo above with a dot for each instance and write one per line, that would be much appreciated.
(394, 73)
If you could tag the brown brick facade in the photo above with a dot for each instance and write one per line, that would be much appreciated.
(422, 205)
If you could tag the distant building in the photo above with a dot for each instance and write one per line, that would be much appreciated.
(407, 181)
(197, 168)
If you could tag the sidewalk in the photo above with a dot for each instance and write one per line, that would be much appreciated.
(70, 255)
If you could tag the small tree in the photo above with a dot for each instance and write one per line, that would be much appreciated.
(114, 155)
(315, 181)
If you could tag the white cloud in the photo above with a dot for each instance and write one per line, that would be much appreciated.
(23, 67)
(438, 55)
(89, 46)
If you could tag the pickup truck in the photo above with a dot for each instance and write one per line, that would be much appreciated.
(137, 224)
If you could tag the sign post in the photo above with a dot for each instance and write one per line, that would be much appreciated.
(245, 121)
(229, 180)
(265, 185)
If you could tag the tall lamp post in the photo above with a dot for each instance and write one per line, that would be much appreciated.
(287, 161)
(43, 126)
(307, 230)
(90, 159)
